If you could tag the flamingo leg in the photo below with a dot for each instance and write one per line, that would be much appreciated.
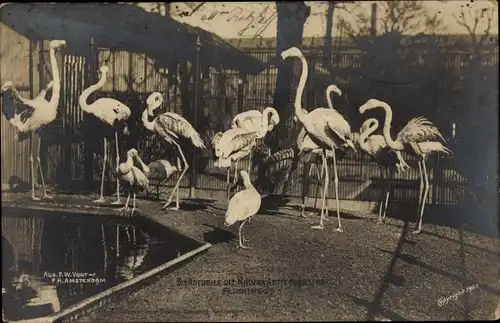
(186, 166)
(240, 236)
(118, 201)
(381, 201)
(45, 195)
(105, 160)
(117, 241)
(305, 191)
(250, 161)
(421, 189)
(424, 198)
(320, 226)
(124, 209)
(336, 180)
(228, 188)
(33, 173)
(388, 177)
(235, 179)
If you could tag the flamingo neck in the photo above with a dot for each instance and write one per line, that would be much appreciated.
(329, 97)
(396, 145)
(56, 89)
(145, 120)
(82, 100)
(364, 135)
(299, 112)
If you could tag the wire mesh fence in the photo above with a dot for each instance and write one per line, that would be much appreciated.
(224, 93)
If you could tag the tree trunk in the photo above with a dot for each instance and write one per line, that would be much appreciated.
(291, 19)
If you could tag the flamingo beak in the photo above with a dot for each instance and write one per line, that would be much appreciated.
(362, 109)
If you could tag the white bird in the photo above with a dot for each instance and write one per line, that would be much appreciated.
(111, 112)
(30, 116)
(133, 178)
(252, 121)
(387, 159)
(242, 206)
(311, 150)
(326, 128)
(171, 126)
(419, 137)
(232, 145)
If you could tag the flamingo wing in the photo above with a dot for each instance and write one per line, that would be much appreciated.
(174, 125)
(241, 141)
(13, 107)
(419, 130)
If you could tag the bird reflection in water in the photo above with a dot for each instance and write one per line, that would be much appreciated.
(135, 248)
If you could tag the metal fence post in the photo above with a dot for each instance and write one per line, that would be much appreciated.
(195, 114)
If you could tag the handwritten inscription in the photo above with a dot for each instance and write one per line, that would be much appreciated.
(445, 300)
(246, 286)
(64, 277)
(256, 21)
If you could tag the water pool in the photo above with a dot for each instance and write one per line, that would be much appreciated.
(52, 260)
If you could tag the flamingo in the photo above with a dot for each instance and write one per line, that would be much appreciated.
(306, 145)
(162, 170)
(132, 177)
(30, 116)
(242, 206)
(252, 120)
(326, 128)
(420, 138)
(387, 159)
(234, 144)
(170, 126)
(114, 114)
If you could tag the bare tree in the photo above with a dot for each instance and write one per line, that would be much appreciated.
(471, 18)
(396, 16)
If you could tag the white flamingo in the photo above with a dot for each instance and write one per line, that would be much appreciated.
(133, 178)
(242, 206)
(232, 145)
(308, 147)
(252, 121)
(170, 126)
(326, 127)
(387, 159)
(113, 113)
(420, 138)
(30, 116)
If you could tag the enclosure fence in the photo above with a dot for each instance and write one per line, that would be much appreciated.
(72, 151)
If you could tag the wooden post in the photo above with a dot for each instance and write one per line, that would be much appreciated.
(195, 114)
(373, 29)
(90, 76)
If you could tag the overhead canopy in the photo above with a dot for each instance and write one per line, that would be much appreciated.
(124, 27)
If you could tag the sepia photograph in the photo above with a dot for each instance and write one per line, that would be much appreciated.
(250, 161)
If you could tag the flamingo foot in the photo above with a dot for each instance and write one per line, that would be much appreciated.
(174, 208)
(242, 246)
(317, 227)
(34, 198)
(166, 205)
(117, 202)
(99, 200)
(46, 196)
(339, 229)
(416, 231)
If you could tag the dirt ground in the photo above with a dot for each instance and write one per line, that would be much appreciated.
(368, 272)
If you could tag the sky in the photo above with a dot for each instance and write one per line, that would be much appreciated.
(235, 19)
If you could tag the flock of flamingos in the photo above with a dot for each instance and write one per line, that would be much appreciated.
(324, 132)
